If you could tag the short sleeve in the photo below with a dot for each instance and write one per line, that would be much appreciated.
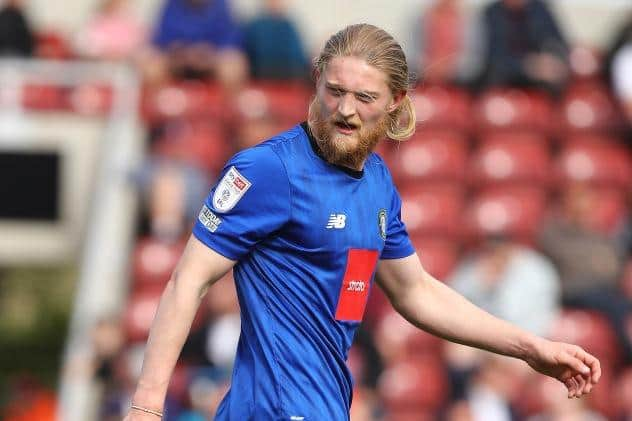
(397, 243)
(250, 201)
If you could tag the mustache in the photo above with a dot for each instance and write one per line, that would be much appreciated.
(346, 123)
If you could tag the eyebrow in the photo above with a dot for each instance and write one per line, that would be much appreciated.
(331, 85)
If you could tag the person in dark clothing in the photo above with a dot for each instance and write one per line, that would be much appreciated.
(196, 39)
(273, 45)
(16, 37)
(525, 46)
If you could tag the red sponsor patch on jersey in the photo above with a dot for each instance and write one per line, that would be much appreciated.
(354, 290)
(239, 183)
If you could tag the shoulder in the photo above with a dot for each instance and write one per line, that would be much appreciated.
(259, 161)
(269, 158)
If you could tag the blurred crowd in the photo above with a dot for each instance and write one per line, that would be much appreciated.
(516, 191)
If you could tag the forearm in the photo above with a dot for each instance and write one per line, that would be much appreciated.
(436, 308)
(170, 328)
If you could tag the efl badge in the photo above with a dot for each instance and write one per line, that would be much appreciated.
(381, 223)
(229, 190)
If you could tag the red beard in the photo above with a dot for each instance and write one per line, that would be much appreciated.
(338, 149)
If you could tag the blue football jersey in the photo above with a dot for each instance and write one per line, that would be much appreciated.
(307, 236)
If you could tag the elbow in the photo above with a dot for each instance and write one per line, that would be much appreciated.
(178, 285)
(410, 298)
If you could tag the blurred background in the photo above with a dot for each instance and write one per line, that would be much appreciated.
(116, 117)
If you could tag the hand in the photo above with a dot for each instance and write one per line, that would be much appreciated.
(575, 368)
(546, 67)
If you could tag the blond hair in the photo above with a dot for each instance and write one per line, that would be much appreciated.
(379, 49)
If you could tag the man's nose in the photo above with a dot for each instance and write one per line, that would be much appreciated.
(346, 106)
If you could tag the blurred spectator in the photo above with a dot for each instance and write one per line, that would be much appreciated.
(253, 130)
(114, 33)
(204, 394)
(107, 343)
(273, 45)
(171, 191)
(215, 343)
(525, 47)
(620, 65)
(512, 282)
(447, 44)
(197, 39)
(16, 37)
(496, 383)
(589, 262)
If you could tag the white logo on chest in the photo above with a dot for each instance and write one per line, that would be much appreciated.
(337, 221)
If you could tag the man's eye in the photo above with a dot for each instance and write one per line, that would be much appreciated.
(365, 98)
(336, 92)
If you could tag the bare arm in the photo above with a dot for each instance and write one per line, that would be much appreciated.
(198, 268)
(433, 306)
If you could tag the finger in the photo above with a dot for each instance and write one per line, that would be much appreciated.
(595, 368)
(581, 383)
(593, 363)
(571, 385)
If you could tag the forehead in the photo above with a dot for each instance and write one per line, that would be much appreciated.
(355, 74)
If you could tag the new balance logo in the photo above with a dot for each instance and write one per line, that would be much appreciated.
(336, 221)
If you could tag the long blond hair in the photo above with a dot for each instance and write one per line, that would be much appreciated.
(379, 49)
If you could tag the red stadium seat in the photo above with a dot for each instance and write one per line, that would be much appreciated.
(414, 384)
(602, 398)
(140, 311)
(608, 164)
(397, 338)
(623, 393)
(139, 314)
(201, 143)
(288, 102)
(585, 63)
(513, 158)
(590, 330)
(591, 138)
(153, 261)
(432, 208)
(589, 106)
(410, 415)
(438, 256)
(44, 97)
(184, 99)
(90, 99)
(608, 209)
(442, 107)
(52, 45)
(514, 211)
(501, 109)
(430, 155)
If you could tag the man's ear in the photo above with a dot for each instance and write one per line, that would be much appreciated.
(397, 100)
